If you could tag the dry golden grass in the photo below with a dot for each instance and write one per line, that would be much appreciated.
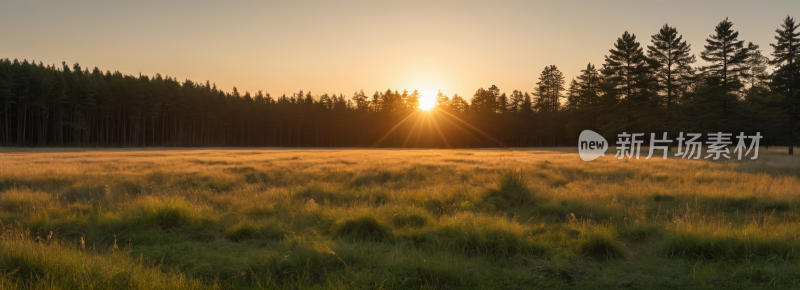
(523, 213)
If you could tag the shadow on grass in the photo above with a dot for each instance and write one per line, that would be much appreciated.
(698, 247)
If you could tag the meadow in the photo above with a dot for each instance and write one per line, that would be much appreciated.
(394, 219)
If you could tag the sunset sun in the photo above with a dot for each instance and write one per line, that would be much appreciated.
(427, 94)
(427, 102)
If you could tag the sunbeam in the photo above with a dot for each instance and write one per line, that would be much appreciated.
(394, 128)
(473, 127)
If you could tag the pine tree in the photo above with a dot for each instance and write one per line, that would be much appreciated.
(516, 101)
(412, 100)
(728, 57)
(588, 86)
(484, 101)
(458, 104)
(627, 66)
(340, 104)
(786, 80)
(573, 94)
(360, 101)
(787, 48)
(757, 76)
(392, 101)
(6, 84)
(549, 89)
(527, 105)
(502, 104)
(442, 101)
(326, 102)
(376, 102)
(492, 99)
(628, 71)
(672, 55)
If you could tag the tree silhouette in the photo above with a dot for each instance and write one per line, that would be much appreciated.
(588, 87)
(629, 72)
(549, 89)
(672, 55)
(728, 58)
(787, 78)
(63, 105)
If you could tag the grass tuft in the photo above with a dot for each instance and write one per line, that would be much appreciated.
(364, 228)
(23, 200)
(600, 245)
(410, 218)
(492, 236)
(241, 231)
(512, 190)
(304, 262)
(168, 213)
(245, 229)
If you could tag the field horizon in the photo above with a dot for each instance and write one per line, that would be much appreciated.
(393, 218)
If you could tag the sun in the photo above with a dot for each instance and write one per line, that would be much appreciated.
(427, 102)
(427, 96)
(428, 85)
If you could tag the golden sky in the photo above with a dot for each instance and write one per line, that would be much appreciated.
(344, 46)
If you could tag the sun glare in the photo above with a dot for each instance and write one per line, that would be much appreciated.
(427, 82)
(427, 102)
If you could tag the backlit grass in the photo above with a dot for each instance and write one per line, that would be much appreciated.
(394, 219)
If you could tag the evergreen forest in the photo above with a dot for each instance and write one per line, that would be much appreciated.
(644, 85)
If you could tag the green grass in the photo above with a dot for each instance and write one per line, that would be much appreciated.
(43, 263)
(244, 230)
(166, 213)
(693, 246)
(411, 217)
(511, 190)
(395, 219)
(600, 245)
(491, 236)
(364, 228)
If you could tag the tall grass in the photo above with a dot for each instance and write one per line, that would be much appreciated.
(512, 190)
(364, 228)
(244, 230)
(30, 262)
(166, 213)
(473, 234)
(393, 219)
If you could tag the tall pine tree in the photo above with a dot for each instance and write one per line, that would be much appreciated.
(786, 80)
(728, 58)
(673, 58)
(629, 71)
(549, 89)
(589, 87)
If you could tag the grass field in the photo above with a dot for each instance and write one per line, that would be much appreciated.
(394, 219)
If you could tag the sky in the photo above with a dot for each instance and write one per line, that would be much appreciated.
(282, 47)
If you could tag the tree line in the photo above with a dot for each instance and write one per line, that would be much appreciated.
(638, 88)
